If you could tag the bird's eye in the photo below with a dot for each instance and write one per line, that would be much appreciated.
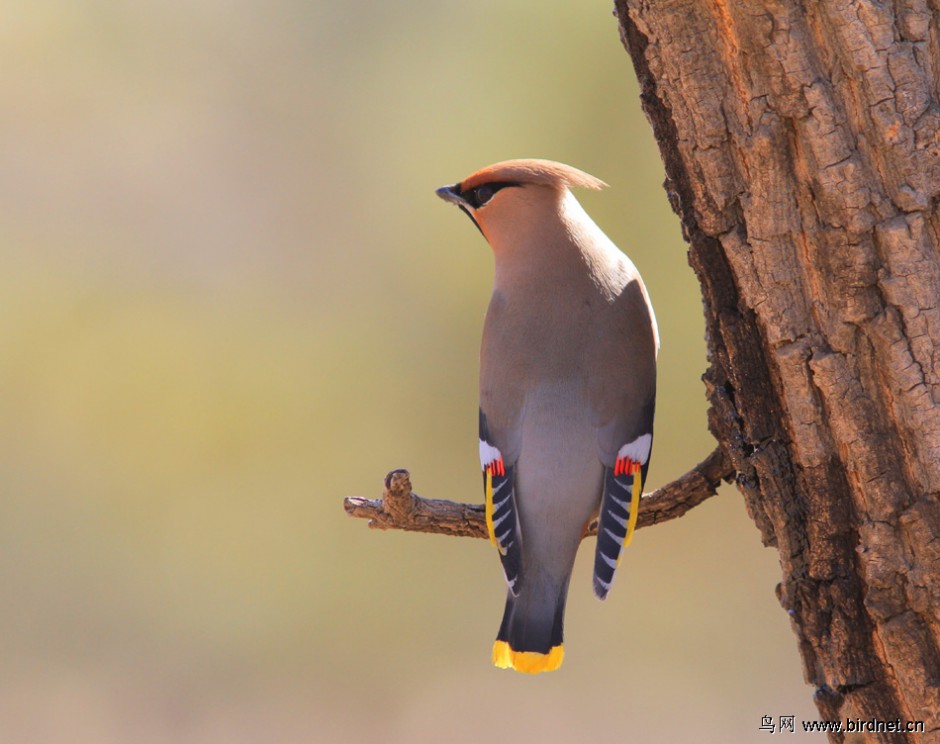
(484, 193)
(481, 195)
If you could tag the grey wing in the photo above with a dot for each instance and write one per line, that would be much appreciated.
(502, 515)
(623, 396)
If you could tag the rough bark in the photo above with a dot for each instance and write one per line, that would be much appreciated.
(802, 150)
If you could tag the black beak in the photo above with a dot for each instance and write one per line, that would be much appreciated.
(451, 194)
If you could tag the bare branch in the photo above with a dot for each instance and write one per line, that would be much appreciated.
(401, 509)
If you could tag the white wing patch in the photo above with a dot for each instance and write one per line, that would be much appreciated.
(638, 450)
(489, 454)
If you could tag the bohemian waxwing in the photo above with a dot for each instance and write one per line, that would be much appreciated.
(567, 390)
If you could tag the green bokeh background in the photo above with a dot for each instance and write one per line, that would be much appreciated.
(229, 297)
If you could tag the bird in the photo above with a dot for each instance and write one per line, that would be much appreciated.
(567, 394)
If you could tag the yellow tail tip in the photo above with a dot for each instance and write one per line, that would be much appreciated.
(502, 655)
(528, 662)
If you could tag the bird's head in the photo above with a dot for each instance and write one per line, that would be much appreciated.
(508, 199)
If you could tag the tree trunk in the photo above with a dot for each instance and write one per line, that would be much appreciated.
(802, 150)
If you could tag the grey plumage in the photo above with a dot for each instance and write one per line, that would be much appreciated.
(567, 384)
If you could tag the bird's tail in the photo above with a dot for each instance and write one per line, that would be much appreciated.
(531, 637)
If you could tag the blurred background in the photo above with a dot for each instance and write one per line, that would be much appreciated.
(229, 297)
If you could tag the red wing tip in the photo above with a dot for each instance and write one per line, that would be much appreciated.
(626, 466)
(497, 467)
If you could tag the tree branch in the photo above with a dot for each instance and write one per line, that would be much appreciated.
(401, 509)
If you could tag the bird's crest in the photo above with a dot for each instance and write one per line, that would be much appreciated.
(532, 171)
